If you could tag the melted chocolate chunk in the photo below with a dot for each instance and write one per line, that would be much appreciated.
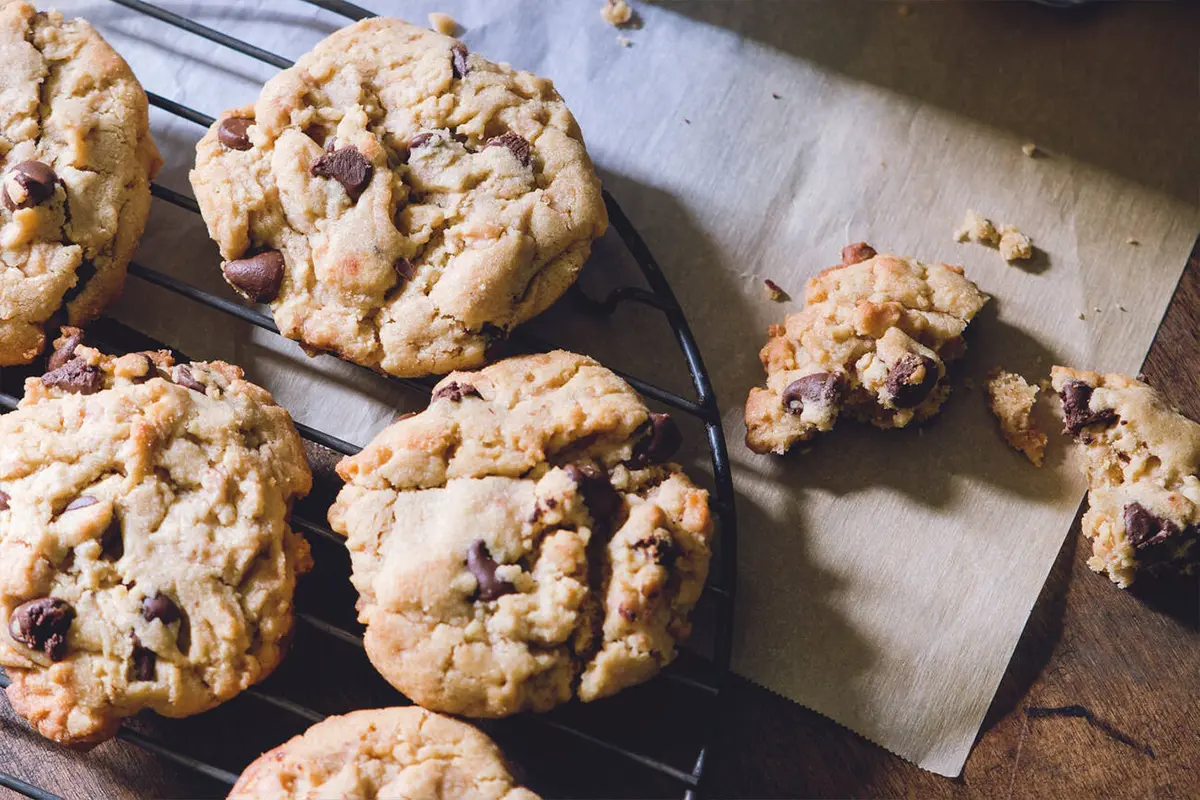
(34, 184)
(455, 392)
(458, 60)
(420, 140)
(4, 498)
(658, 443)
(404, 269)
(481, 565)
(664, 551)
(42, 624)
(232, 133)
(185, 378)
(142, 664)
(64, 352)
(516, 144)
(347, 166)
(1076, 397)
(76, 377)
(602, 500)
(905, 394)
(820, 388)
(1145, 529)
(162, 608)
(257, 278)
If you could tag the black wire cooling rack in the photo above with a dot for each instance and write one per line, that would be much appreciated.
(700, 677)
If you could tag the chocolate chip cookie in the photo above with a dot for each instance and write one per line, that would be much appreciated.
(1143, 459)
(75, 179)
(524, 539)
(145, 556)
(872, 341)
(398, 200)
(383, 753)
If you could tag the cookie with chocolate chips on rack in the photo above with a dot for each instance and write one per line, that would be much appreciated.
(524, 540)
(872, 341)
(145, 556)
(398, 200)
(75, 179)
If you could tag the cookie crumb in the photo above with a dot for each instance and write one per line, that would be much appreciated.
(1030, 149)
(775, 292)
(977, 228)
(1011, 399)
(1081, 315)
(624, 41)
(774, 96)
(443, 23)
(1014, 245)
(1132, 241)
(618, 13)
(1098, 309)
(904, 9)
(1121, 307)
(687, 121)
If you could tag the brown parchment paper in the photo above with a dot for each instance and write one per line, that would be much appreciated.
(885, 576)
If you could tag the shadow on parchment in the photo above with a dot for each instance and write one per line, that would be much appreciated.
(1112, 84)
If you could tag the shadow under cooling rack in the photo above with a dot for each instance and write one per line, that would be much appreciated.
(695, 680)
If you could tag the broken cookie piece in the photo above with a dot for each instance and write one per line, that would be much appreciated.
(1011, 399)
(872, 341)
(1012, 244)
(1142, 459)
(617, 13)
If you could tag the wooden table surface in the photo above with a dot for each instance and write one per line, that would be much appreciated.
(1100, 698)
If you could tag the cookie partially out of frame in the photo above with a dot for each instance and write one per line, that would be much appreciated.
(75, 176)
(1143, 470)
(145, 555)
(398, 200)
(524, 540)
(872, 341)
(383, 753)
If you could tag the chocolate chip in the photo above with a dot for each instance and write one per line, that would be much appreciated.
(257, 278)
(456, 391)
(4, 498)
(458, 60)
(28, 184)
(160, 607)
(112, 543)
(185, 378)
(404, 269)
(602, 500)
(76, 377)
(658, 443)
(420, 140)
(664, 551)
(1076, 398)
(905, 394)
(80, 502)
(515, 143)
(481, 565)
(1145, 529)
(142, 666)
(347, 166)
(820, 388)
(42, 624)
(65, 352)
(854, 253)
(232, 133)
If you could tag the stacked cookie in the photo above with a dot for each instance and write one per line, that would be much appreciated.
(526, 540)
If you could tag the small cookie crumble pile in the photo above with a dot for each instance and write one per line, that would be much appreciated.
(524, 540)
(1011, 400)
(617, 13)
(1012, 244)
(872, 340)
(1142, 460)
(145, 556)
(383, 753)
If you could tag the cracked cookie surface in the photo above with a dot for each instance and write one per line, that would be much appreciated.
(872, 341)
(75, 180)
(145, 555)
(523, 540)
(1143, 462)
(383, 753)
(400, 201)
